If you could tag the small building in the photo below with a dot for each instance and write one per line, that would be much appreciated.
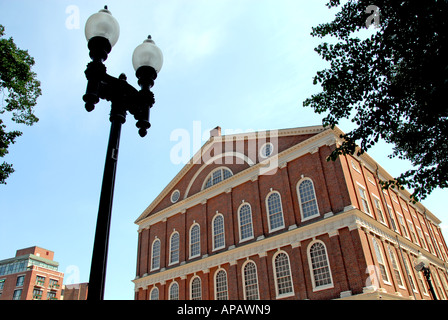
(31, 275)
(264, 215)
(76, 291)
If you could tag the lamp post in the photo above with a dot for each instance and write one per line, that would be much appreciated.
(102, 32)
(422, 264)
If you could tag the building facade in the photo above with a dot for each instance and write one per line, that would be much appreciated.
(31, 275)
(264, 216)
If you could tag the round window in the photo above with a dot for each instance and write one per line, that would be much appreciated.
(266, 150)
(175, 196)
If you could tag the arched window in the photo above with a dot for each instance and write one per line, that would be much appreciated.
(275, 211)
(196, 290)
(245, 222)
(195, 241)
(154, 295)
(283, 280)
(319, 266)
(155, 255)
(174, 291)
(396, 268)
(250, 281)
(221, 285)
(218, 232)
(379, 258)
(217, 176)
(307, 199)
(174, 248)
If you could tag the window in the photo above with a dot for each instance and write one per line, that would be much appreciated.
(221, 285)
(364, 201)
(154, 295)
(320, 268)
(175, 196)
(422, 239)
(403, 225)
(20, 281)
(37, 294)
(392, 219)
(397, 273)
(378, 209)
(218, 232)
(250, 281)
(412, 232)
(283, 280)
(217, 176)
(2, 283)
(17, 294)
(155, 256)
(51, 295)
(245, 221)
(275, 211)
(307, 199)
(174, 291)
(195, 241)
(379, 258)
(53, 284)
(174, 248)
(266, 150)
(40, 281)
(409, 273)
(196, 291)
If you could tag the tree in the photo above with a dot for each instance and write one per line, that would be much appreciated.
(393, 84)
(19, 92)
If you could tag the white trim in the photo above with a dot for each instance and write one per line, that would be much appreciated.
(189, 243)
(239, 222)
(211, 160)
(300, 200)
(321, 287)
(274, 270)
(268, 215)
(152, 253)
(243, 277)
(215, 286)
(210, 175)
(260, 152)
(169, 249)
(213, 231)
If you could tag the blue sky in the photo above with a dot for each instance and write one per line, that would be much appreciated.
(242, 65)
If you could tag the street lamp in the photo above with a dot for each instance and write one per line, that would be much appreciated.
(422, 264)
(102, 32)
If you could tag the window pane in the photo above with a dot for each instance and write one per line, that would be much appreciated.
(246, 222)
(155, 255)
(195, 239)
(221, 285)
(308, 199)
(196, 292)
(174, 252)
(319, 263)
(218, 232)
(251, 281)
(283, 274)
(275, 211)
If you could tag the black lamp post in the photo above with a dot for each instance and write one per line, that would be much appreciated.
(422, 264)
(102, 31)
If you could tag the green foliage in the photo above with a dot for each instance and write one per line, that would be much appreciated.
(19, 92)
(393, 84)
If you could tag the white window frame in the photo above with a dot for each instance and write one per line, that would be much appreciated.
(152, 254)
(394, 260)
(171, 249)
(251, 222)
(171, 288)
(381, 261)
(210, 175)
(310, 264)
(274, 268)
(364, 200)
(191, 288)
(300, 200)
(216, 284)
(154, 289)
(376, 200)
(217, 215)
(191, 255)
(243, 273)
(282, 226)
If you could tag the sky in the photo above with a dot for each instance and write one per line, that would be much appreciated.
(242, 65)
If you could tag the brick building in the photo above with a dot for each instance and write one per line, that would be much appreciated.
(264, 216)
(31, 275)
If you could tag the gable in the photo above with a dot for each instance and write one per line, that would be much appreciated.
(234, 153)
